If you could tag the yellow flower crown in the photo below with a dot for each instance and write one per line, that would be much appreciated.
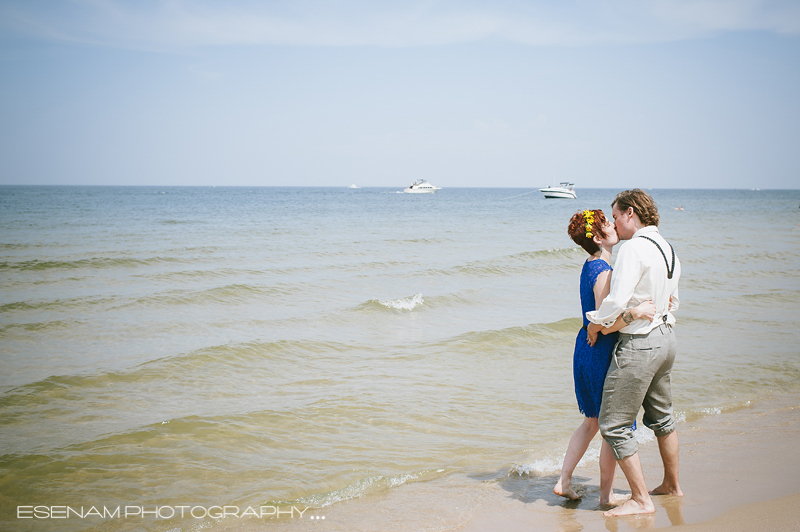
(589, 217)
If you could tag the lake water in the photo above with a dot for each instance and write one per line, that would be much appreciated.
(279, 347)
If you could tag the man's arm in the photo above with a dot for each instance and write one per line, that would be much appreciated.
(674, 301)
(644, 310)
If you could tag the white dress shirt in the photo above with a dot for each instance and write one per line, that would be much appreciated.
(640, 274)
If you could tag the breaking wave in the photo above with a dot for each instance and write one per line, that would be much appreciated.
(403, 303)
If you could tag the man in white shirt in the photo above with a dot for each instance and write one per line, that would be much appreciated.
(639, 375)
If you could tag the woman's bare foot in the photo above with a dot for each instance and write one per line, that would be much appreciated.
(565, 491)
(614, 499)
(632, 507)
(665, 489)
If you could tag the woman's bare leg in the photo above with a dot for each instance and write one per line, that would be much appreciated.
(578, 444)
(608, 469)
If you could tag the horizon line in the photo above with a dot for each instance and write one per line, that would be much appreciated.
(378, 186)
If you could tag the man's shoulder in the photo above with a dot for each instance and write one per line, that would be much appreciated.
(633, 244)
(645, 237)
(648, 237)
(640, 247)
(648, 231)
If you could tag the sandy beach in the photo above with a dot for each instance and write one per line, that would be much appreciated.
(740, 471)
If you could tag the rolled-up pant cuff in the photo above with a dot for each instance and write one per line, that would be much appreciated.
(623, 449)
(662, 429)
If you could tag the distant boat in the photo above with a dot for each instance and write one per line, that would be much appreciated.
(353, 186)
(420, 186)
(565, 191)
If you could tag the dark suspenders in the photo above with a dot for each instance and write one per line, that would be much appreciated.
(670, 270)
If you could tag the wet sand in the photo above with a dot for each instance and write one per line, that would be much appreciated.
(779, 514)
(732, 462)
(740, 471)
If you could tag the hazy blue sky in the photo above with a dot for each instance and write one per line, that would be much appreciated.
(658, 93)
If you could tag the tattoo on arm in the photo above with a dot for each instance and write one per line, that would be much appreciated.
(627, 317)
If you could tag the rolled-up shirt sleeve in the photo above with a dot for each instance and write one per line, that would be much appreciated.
(674, 301)
(627, 272)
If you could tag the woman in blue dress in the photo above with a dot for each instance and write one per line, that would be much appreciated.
(596, 235)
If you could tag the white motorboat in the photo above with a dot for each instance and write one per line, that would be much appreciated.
(353, 186)
(420, 186)
(565, 191)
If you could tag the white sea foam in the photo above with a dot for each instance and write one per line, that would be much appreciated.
(399, 480)
(543, 465)
(552, 464)
(695, 413)
(359, 489)
(643, 434)
(406, 303)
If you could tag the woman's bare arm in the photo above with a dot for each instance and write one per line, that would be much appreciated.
(602, 287)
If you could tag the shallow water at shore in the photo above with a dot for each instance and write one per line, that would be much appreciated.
(278, 346)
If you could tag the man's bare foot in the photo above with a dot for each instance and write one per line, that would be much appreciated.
(614, 499)
(665, 489)
(565, 491)
(632, 507)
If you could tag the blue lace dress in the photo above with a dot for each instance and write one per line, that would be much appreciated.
(590, 364)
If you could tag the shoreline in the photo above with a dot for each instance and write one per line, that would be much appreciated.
(740, 470)
(731, 463)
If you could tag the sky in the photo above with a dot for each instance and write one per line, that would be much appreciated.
(463, 93)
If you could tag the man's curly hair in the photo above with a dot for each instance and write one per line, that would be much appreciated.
(643, 205)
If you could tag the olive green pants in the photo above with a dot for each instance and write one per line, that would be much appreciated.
(639, 375)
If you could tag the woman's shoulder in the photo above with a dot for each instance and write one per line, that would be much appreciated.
(596, 266)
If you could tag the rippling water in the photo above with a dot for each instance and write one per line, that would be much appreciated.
(251, 346)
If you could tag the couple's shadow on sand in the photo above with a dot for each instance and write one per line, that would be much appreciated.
(530, 488)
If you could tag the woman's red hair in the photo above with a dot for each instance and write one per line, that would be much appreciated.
(577, 230)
